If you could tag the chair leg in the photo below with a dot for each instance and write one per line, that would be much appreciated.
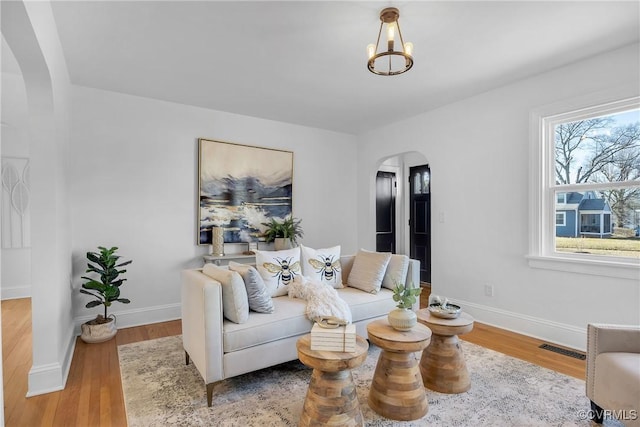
(597, 413)
(186, 357)
(209, 394)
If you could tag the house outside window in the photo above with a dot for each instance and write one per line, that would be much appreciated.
(585, 188)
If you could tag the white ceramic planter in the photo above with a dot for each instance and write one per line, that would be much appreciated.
(402, 319)
(280, 244)
(100, 332)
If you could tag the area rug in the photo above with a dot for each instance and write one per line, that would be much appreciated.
(160, 390)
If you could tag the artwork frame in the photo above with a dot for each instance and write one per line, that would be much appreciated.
(240, 187)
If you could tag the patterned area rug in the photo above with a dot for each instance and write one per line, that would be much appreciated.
(160, 390)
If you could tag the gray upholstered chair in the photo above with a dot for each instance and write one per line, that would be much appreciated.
(613, 372)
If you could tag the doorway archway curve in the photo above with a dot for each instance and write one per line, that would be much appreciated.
(30, 32)
(400, 164)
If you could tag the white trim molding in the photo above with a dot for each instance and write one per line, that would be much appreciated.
(552, 332)
(15, 292)
(53, 376)
(137, 317)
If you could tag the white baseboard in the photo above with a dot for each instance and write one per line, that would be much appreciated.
(15, 292)
(553, 332)
(53, 376)
(137, 317)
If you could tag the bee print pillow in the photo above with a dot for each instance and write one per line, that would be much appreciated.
(322, 265)
(278, 269)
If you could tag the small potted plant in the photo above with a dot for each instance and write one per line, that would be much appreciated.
(105, 290)
(403, 318)
(283, 233)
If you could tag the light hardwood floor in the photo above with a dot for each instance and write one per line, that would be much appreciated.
(93, 393)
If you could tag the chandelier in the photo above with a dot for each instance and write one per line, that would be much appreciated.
(390, 62)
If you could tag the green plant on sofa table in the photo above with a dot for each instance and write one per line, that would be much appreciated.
(403, 318)
(106, 289)
(289, 228)
(405, 297)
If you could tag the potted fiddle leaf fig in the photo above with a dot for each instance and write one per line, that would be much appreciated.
(283, 233)
(105, 290)
(403, 318)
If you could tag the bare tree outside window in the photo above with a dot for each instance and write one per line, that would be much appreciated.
(599, 150)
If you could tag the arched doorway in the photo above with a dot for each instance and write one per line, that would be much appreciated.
(394, 203)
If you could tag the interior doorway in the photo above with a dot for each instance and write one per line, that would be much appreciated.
(420, 218)
(386, 186)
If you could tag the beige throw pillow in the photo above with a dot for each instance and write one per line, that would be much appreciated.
(368, 270)
(235, 304)
(396, 271)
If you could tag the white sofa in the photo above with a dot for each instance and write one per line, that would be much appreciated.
(222, 349)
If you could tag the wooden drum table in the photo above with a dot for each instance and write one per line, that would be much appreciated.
(442, 365)
(397, 391)
(331, 399)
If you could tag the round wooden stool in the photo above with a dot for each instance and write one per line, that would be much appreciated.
(331, 399)
(397, 391)
(442, 364)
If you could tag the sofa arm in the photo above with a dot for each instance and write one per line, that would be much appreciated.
(413, 279)
(602, 338)
(202, 323)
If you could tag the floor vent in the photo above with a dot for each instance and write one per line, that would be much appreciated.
(564, 351)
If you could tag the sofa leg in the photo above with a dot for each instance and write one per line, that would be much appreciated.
(186, 357)
(597, 413)
(209, 394)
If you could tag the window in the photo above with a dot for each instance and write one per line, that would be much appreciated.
(421, 182)
(585, 193)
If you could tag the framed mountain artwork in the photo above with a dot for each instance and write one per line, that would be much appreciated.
(239, 188)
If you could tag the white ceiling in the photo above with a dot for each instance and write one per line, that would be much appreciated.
(304, 62)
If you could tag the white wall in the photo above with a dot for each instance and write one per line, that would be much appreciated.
(30, 31)
(478, 153)
(134, 185)
(16, 261)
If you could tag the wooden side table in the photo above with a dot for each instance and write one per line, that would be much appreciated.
(332, 398)
(397, 391)
(442, 364)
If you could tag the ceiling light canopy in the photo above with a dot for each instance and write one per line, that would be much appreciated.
(390, 62)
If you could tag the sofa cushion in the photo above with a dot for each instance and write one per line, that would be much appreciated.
(368, 270)
(617, 379)
(365, 305)
(235, 304)
(322, 265)
(396, 272)
(278, 269)
(259, 298)
(287, 320)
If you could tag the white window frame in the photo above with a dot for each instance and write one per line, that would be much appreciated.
(564, 219)
(542, 186)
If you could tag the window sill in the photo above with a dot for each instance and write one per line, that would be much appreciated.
(623, 269)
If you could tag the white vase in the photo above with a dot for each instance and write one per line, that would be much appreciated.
(402, 319)
(217, 241)
(100, 332)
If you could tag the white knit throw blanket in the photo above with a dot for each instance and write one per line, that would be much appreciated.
(322, 299)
